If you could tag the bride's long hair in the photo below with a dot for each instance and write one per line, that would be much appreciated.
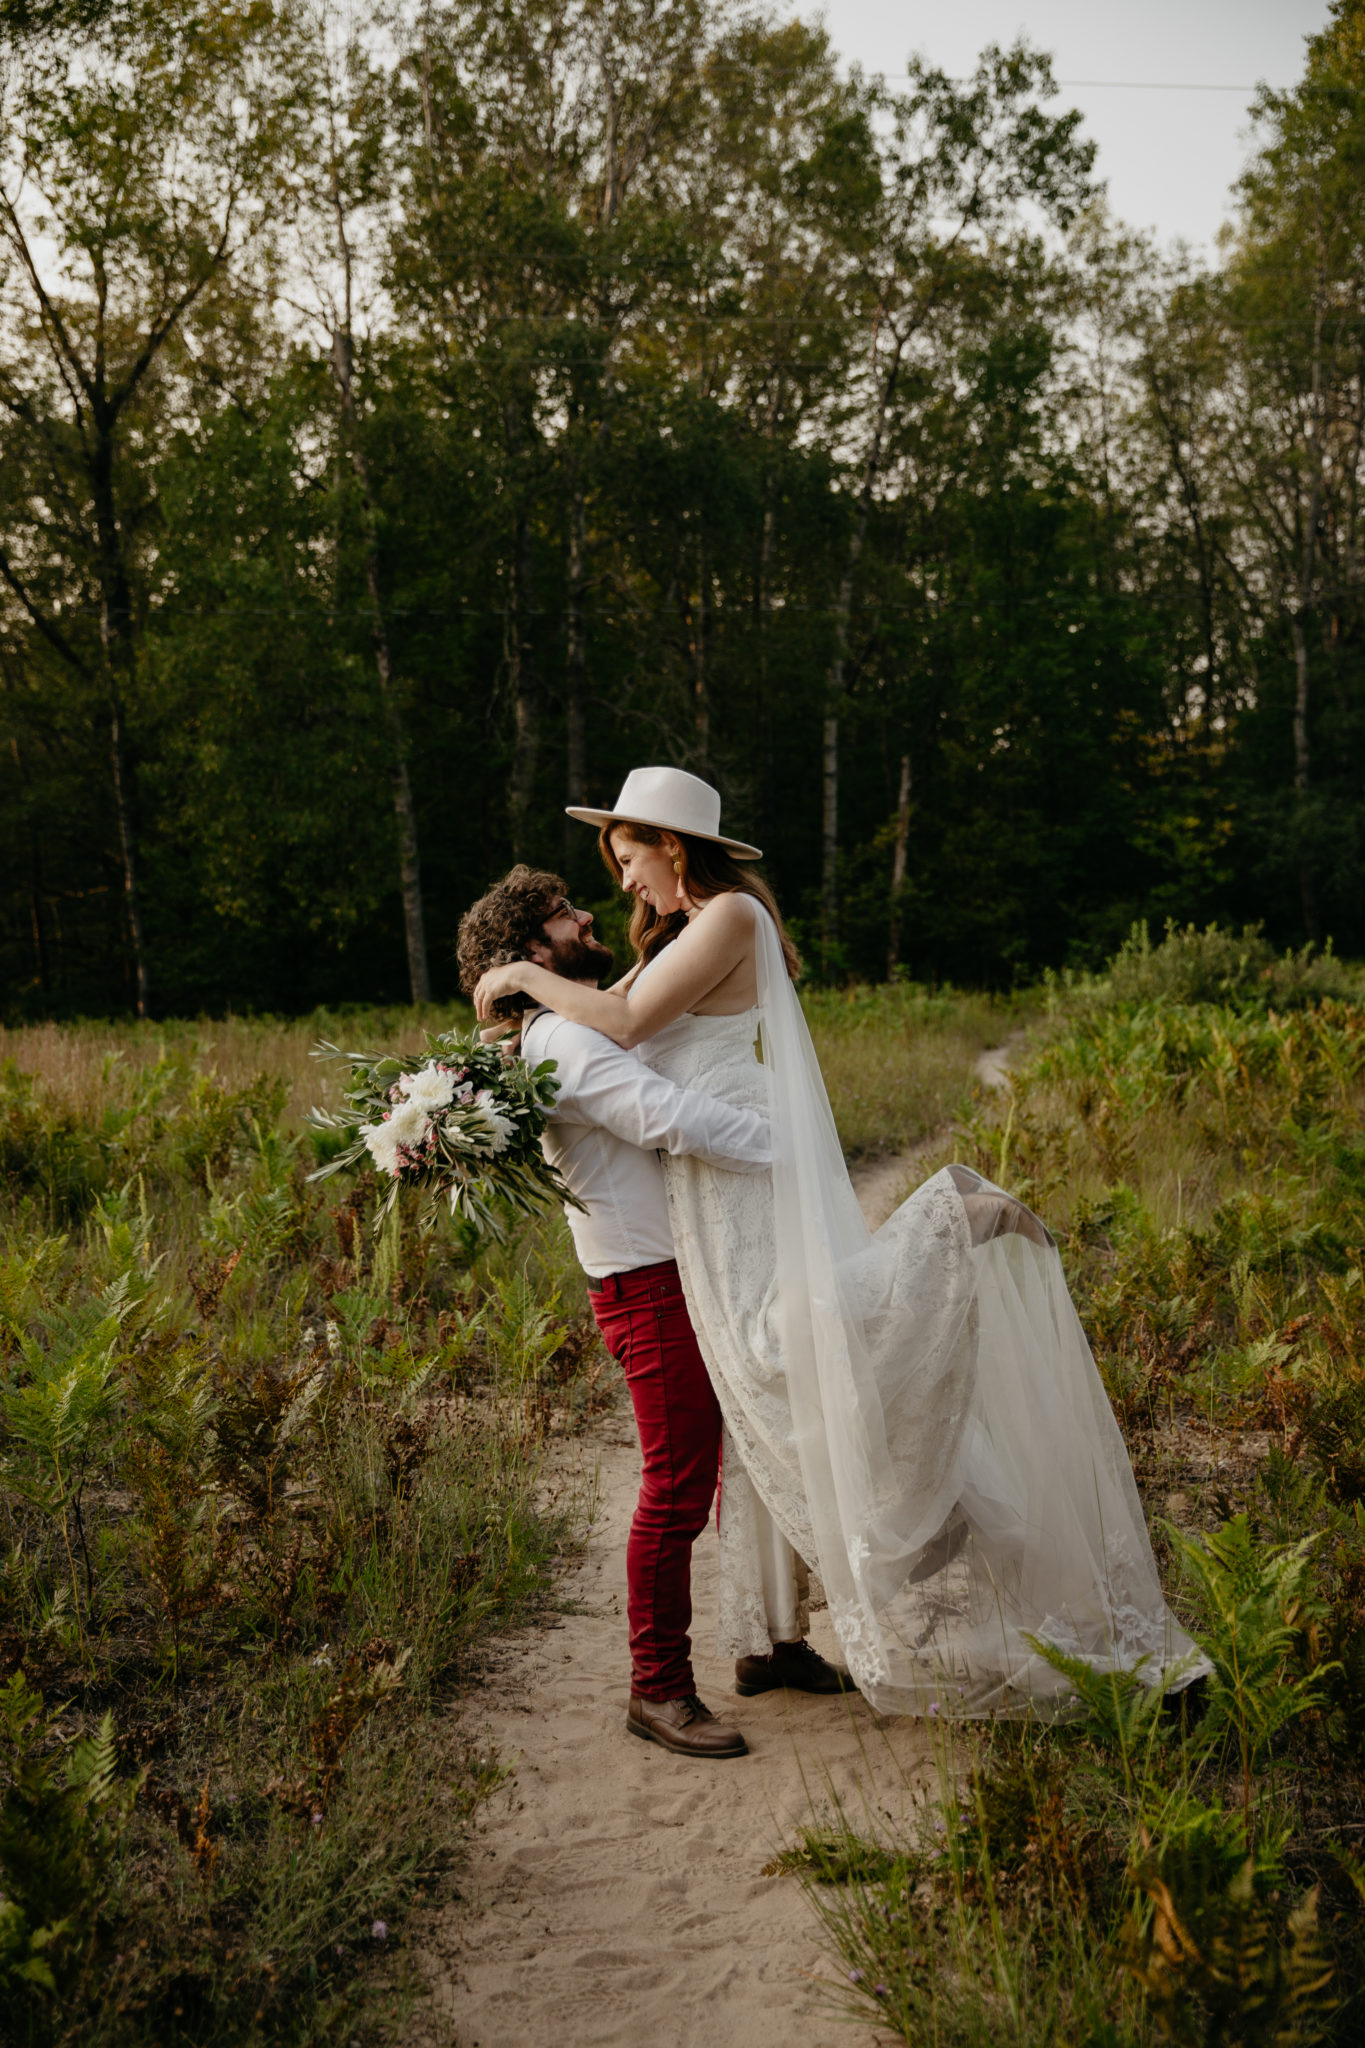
(707, 870)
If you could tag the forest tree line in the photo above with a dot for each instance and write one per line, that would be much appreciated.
(412, 416)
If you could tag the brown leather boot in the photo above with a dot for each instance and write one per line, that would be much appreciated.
(794, 1665)
(683, 1725)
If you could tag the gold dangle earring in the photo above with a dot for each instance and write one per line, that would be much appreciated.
(677, 869)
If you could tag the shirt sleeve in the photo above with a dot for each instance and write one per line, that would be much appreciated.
(601, 1083)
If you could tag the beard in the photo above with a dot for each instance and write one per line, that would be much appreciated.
(581, 959)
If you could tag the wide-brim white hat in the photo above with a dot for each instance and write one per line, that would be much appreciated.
(674, 801)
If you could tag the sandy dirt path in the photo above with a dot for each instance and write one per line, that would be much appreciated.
(615, 1893)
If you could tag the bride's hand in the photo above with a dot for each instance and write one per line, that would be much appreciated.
(498, 982)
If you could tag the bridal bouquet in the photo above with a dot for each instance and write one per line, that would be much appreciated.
(459, 1121)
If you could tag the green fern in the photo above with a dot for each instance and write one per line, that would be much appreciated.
(64, 1816)
(1122, 1711)
(1256, 1601)
(1240, 1979)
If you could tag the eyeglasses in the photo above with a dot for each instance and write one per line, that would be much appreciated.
(565, 909)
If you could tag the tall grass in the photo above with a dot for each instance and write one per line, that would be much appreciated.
(79, 1064)
(262, 1500)
(899, 1060)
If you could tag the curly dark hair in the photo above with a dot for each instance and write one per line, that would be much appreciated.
(502, 924)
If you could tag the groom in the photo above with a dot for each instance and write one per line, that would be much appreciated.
(612, 1117)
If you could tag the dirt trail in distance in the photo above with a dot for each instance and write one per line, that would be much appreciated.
(884, 1182)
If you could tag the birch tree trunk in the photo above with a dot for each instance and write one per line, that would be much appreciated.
(400, 783)
(576, 671)
(899, 850)
(1302, 774)
(119, 662)
(1302, 609)
(525, 689)
(764, 722)
(835, 679)
(701, 684)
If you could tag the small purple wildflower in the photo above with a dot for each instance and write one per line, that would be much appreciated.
(933, 1706)
(880, 1991)
(379, 1930)
(317, 1816)
(855, 1976)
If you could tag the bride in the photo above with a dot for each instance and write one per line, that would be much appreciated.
(916, 1412)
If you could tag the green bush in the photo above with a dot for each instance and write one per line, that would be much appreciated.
(45, 1150)
(1221, 966)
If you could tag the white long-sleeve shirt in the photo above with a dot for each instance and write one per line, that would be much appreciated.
(612, 1117)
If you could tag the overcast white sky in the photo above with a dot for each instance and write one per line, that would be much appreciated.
(1169, 157)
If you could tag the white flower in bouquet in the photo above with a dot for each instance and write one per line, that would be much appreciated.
(430, 1088)
(498, 1130)
(383, 1145)
(502, 1127)
(405, 1128)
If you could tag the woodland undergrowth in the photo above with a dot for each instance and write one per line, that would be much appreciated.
(1189, 1870)
(266, 1490)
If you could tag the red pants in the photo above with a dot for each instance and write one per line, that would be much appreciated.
(644, 1323)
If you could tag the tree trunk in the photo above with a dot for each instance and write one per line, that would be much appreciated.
(576, 673)
(35, 880)
(701, 686)
(764, 720)
(829, 834)
(901, 844)
(1189, 490)
(428, 125)
(1307, 580)
(116, 639)
(123, 812)
(35, 908)
(525, 692)
(400, 783)
(834, 679)
(1308, 895)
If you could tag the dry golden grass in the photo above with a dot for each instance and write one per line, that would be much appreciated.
(899, 1062)
(79, 1061)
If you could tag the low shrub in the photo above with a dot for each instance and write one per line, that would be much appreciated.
(1221, 966)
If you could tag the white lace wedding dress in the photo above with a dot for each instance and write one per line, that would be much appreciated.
(918, 1411)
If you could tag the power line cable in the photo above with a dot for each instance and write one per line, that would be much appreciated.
(1152, 85)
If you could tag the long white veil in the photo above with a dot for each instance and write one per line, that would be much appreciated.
(965, 1483)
